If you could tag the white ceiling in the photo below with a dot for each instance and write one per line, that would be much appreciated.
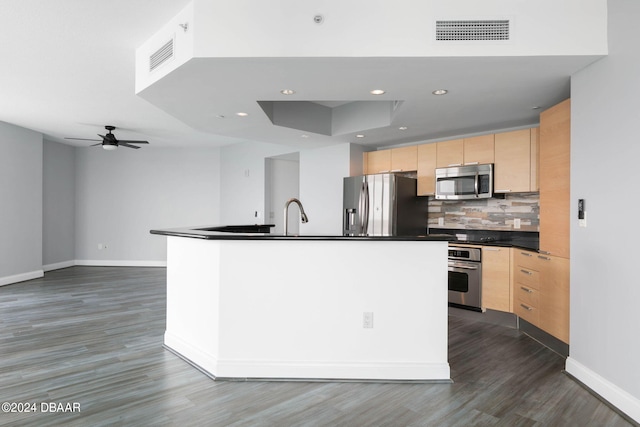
(68, 69)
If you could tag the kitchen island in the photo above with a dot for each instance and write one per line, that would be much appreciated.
(263, 306)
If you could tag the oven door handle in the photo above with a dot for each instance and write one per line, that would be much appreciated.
(463, 266)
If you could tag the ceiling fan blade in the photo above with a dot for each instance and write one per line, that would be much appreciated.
(124, 144)
(93, 145)
(132, 142)
(84, 139)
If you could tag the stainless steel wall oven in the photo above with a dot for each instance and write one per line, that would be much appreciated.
(465, 277)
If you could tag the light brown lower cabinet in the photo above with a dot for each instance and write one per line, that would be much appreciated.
(496, 289)
(541, 291)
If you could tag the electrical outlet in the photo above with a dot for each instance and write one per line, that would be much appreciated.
(367, 319)
(101, 246)
(516, 223)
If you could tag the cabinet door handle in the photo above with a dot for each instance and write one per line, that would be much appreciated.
(503, 191)
(525, 254)
(396, 170)
(472, 163)
(527, 290)
(528, 273)
(486, 248)
(526, 307)
(544, 252)
(546, 258)
(455, 164)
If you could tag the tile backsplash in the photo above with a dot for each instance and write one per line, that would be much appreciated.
(487, 214)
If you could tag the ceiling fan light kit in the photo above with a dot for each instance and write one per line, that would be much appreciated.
(109, 141)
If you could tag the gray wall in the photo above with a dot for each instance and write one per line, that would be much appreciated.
(20, 203)
(122, 194)
(59, 196)
(605, 289)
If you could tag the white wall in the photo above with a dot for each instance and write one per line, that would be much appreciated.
(283, 175)
(321, 172)
(246, 28)
(20, 204)
(321, 176)
(242, 173)
(605, 290)
(123, 194)
(59, 195)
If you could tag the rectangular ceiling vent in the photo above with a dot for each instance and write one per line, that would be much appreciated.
(161, 55)
(472, 30)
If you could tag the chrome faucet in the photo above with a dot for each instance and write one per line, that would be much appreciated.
(303, 216)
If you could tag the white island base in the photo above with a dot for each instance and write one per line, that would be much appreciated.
(295, 309)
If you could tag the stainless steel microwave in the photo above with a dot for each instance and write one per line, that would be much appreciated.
(464, 182)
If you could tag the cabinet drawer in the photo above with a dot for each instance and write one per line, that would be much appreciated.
(526, 276)
(527, 295)
(528, 312)
(526, 259)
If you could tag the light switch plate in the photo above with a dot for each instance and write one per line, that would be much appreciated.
(583, 222)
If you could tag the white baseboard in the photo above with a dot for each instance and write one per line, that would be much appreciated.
(610, 392)
(21, 277)
(306, 369)
(119, 263)
(58, 265)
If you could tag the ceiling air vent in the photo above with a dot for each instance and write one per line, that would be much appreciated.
(472, 30)
(161, 55)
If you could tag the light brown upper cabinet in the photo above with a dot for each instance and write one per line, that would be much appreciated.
(394, 160)
(535, 159)
(450, 153)
(555, 146)
(426, 169)
(478, 150)
(513, 162)
(377, 161)
(404, 159)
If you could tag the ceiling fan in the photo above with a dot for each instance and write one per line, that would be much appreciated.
(109, 141)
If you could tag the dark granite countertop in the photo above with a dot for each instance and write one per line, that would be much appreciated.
(260, 232)
(528, 240)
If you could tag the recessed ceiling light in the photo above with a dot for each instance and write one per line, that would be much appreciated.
(287, 91)
(304, 135)
(242, 114)
(359, 135)
(440, 92)
(377, 92)
(535, 108)
(403, 128)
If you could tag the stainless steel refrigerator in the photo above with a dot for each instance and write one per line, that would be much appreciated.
(383, 205)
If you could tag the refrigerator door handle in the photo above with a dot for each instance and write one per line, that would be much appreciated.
(363, 205)
(361, 208)
(365, 224)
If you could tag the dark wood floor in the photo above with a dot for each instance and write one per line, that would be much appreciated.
(93, 336)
